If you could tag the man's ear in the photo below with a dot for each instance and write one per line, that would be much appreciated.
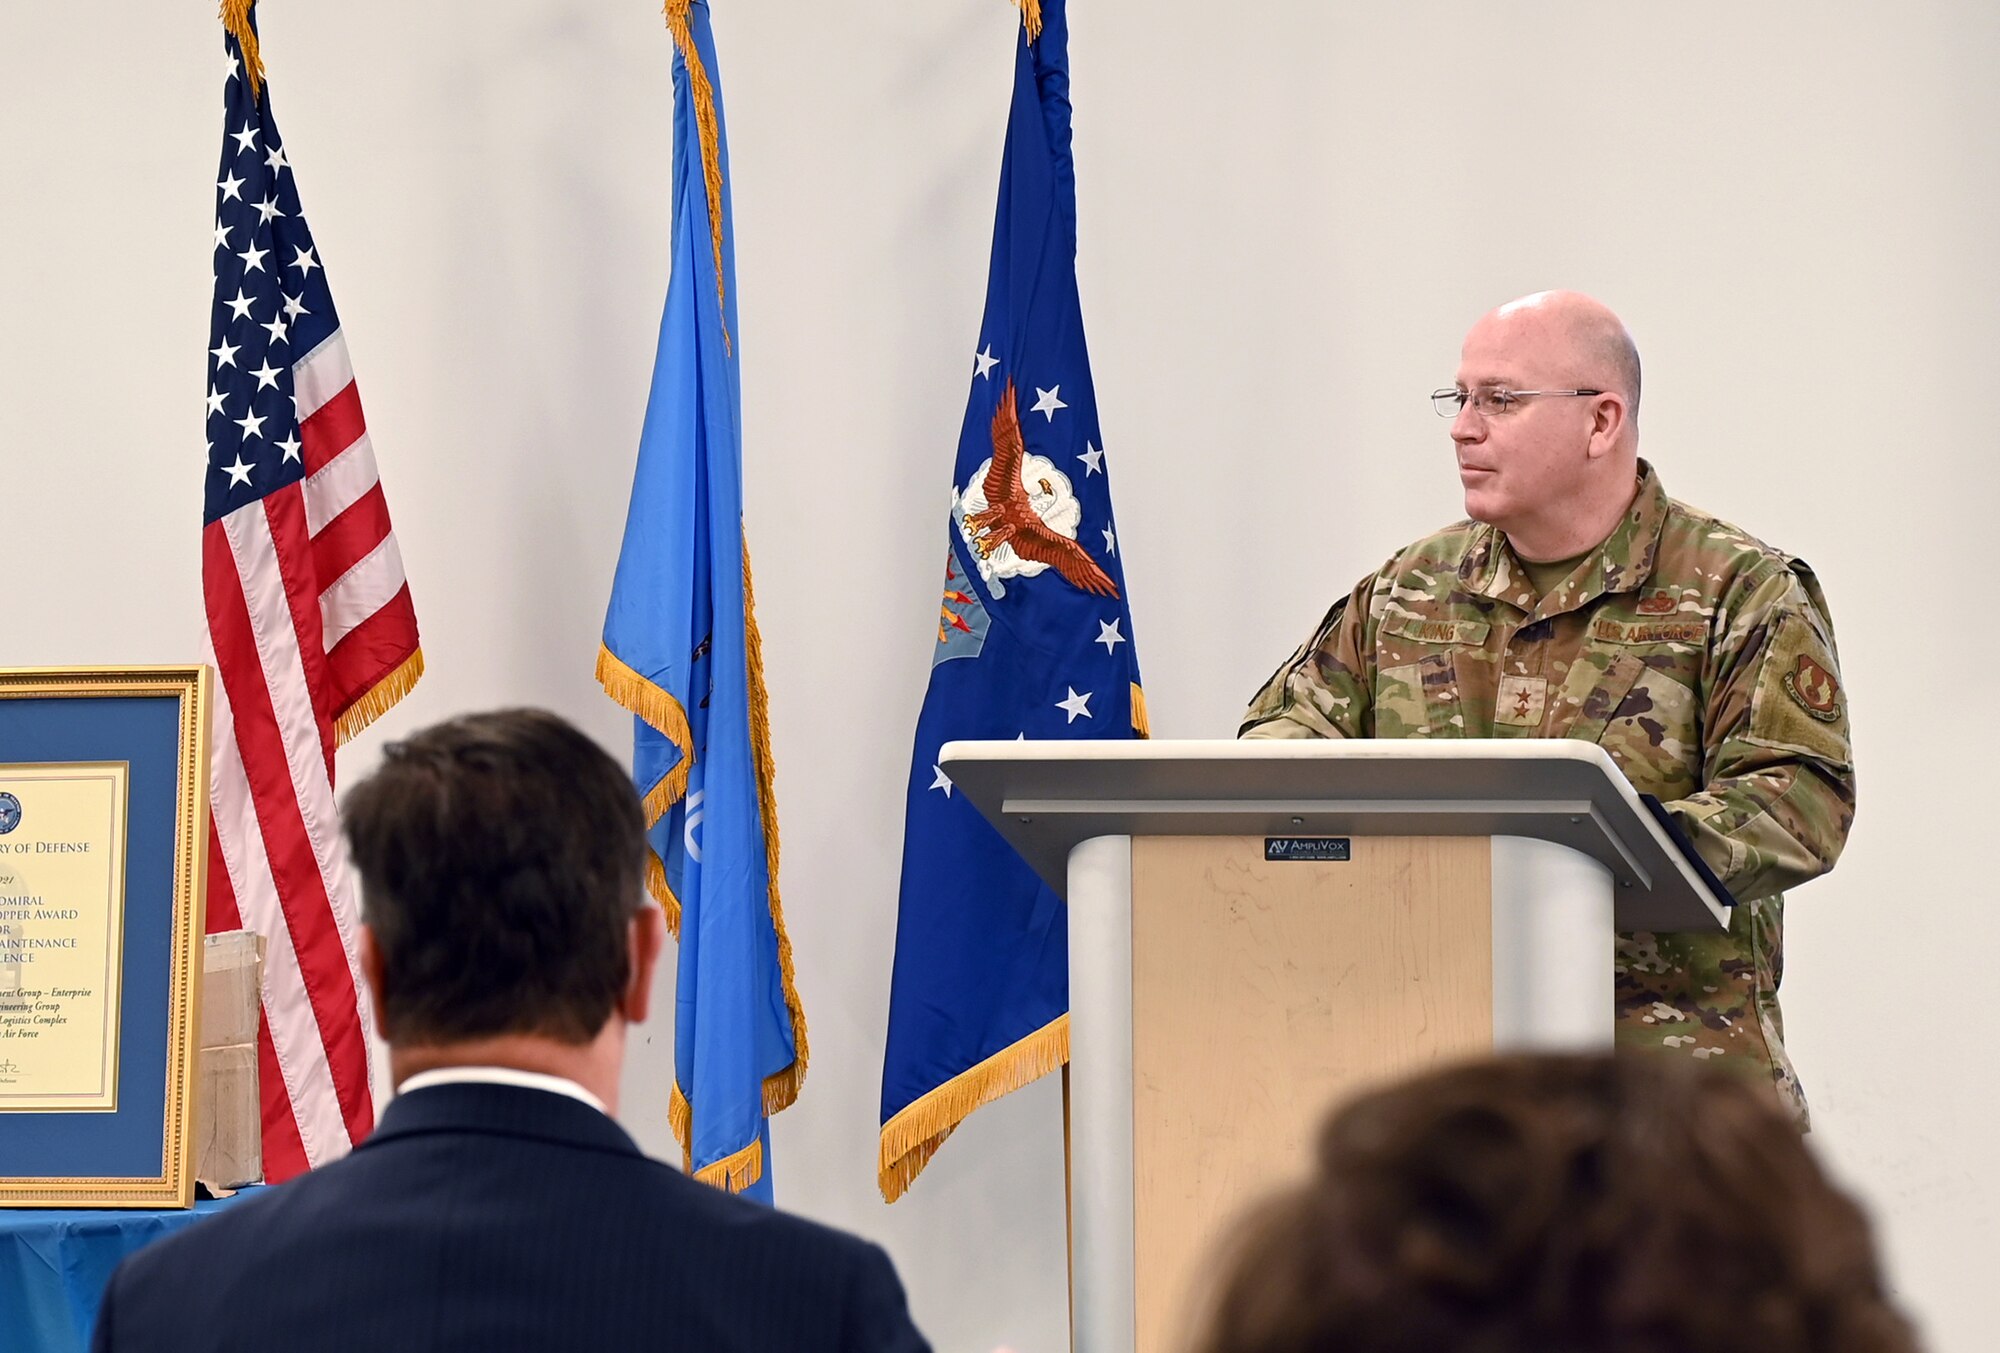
(1609, 418)
(371, 971)
(646, 937)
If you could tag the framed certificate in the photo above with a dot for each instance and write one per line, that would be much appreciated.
(103, 859)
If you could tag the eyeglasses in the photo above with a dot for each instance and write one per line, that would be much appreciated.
(1490, 403)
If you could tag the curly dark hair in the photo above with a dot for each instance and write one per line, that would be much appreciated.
(1558, 1204)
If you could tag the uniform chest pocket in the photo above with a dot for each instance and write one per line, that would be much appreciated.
(1416, 685)
(1646, 718)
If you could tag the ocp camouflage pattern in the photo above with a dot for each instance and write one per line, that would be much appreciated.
(1701, 659)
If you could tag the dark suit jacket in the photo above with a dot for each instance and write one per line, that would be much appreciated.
(484, 1217)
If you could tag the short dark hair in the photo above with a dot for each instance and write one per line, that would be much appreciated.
(501, 858)
(1559, 1204)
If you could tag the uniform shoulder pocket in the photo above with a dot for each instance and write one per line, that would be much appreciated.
(1799, 704)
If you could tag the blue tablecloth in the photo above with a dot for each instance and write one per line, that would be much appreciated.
(54, 1265)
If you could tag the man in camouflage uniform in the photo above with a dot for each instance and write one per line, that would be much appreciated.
(1581, 602)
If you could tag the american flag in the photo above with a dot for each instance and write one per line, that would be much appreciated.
(310, 627)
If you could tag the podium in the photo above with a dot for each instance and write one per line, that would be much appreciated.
(1259, 929)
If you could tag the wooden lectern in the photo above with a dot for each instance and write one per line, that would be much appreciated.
(1258, 929)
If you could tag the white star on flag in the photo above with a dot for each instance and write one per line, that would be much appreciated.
(305, 262)
(290, 446)
(985, 361)
(939, 780)
(240, 307)
(232, 189)
(253, 258)
(267, 375)
(225, 353)
(1108, 635)
(239, 473)
(1046, 402)
(214, 401)
(244, 139)
(251, 423)
(1093, 460)
(1076, 704)
(1110, 542)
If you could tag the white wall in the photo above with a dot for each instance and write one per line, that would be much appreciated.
(1290, 212)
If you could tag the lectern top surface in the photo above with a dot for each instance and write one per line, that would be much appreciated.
(1046, 797)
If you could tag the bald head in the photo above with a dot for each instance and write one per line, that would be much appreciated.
(1601, 353)
(1557, 468)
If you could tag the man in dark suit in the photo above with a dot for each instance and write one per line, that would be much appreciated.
(498, 1205)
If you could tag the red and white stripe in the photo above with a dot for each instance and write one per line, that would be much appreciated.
(308, 612)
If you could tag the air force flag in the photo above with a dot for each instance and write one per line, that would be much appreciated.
(1033, 639)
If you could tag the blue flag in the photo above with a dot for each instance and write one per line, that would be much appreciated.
(681, 652)
(1034, 639)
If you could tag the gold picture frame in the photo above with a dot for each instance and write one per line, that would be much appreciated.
(139, 1153)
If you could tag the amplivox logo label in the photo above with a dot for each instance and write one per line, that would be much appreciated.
(1307, 848)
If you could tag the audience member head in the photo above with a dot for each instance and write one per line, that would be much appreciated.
(1558, 1204)
(501, 858)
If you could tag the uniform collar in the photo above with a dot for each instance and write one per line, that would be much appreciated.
(1621, 564)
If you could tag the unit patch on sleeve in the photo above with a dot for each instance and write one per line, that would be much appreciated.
(1814, 688)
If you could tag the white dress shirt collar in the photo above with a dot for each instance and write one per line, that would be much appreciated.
(502, 1075)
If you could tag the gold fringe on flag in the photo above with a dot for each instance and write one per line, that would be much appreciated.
(781, 1088)
(1031, 17)
(680, 1117)
(1141, 724)
(735, 1172)
(235, 15)
(656, 884)
(912, 1137)
(380, 699)
(710, 130)
(663, 712)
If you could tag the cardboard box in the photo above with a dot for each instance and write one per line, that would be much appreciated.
(232, 969)
(228, 1118)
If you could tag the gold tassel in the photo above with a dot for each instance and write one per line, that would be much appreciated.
(782, 1087)
(912, 1137)
(1031, 17)
(735, 1172)
(680, 1117)
(380, 699)
(1141, 724)
(235, 15)
(656, 884)
(710, 130)
(664, 713)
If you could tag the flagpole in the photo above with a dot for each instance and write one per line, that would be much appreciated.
(1069, 1212)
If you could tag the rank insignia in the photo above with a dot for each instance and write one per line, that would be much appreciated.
(1521, 701)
